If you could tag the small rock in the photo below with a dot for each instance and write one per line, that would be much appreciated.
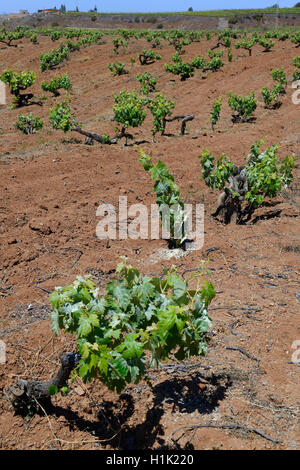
(79, 391)
(275, 398)
(40, 227)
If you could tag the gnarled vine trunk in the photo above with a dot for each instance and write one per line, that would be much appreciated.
(184, 120)
(23, 390)
(145, 59)
(22, 99)
(230, 200)
(91, 136)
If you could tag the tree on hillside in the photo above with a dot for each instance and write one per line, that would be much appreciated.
(190, 9)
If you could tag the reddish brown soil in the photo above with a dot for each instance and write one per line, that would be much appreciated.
(51, 185)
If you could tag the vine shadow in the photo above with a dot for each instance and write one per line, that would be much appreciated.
(186, 395)
(141, 142)
(237, 119)
(247, 213)
(198, 392)
(269, 215)
(110, 417)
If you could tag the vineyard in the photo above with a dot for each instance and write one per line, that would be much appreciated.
(132, 343)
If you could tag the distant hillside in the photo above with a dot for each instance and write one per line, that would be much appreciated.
(218, 13)
(210, 20)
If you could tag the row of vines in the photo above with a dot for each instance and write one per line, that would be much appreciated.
(141, 321)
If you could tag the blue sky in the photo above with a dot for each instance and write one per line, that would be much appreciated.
(136, 5)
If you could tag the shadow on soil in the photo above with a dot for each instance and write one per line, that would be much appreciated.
(269, 215)
(197, 393)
